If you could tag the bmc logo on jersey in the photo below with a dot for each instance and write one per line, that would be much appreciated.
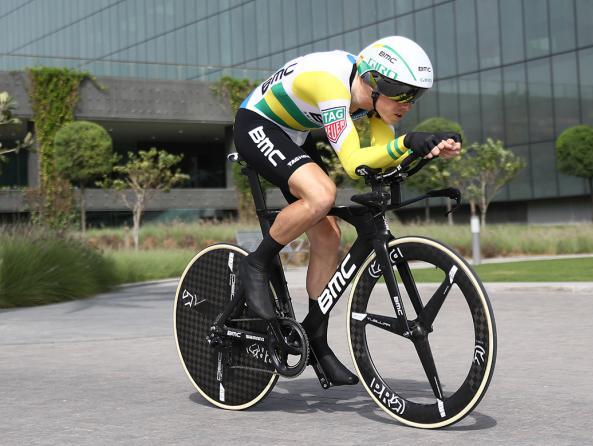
(334, 120)
(265, 145)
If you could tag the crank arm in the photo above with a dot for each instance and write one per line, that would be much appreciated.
(282, 344)
(321, 376)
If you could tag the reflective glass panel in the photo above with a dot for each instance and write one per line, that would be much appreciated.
(249, 34)
(425, 35)
(536, 28)
(543, 160)
(444, 62)
(261, 27)
(540, 100)
(304, 18)
(488, 36)
(404, 26)
(335, 14)
(368, 12)
(448, 101)
(466, 36)
(469, 107)
(584, 22)
(586, 87)
(520, 186)
(566, 91)
(289, 24)
(562, 24)
(492, 117)
(320, 23)
(403, 6)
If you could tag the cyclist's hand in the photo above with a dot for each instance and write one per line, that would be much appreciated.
(425, 145)
(456, 137)
(452, 145)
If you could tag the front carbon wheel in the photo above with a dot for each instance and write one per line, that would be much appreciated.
(452, 338)
(231, 375)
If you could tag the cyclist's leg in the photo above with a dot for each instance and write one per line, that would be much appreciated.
(282, 162)
(324, 239)
(315, 195)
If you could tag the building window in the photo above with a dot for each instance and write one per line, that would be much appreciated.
(536, 28)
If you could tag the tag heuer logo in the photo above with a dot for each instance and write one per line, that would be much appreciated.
(334, 120)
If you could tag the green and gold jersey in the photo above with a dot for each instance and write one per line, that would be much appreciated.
(312, 92)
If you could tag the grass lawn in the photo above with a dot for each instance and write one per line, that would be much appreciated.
(561, 270)
(140, 266)
(162, 264)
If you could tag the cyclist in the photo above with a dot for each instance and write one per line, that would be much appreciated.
(327, 90)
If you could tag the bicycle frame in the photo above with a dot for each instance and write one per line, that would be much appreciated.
(373, 234)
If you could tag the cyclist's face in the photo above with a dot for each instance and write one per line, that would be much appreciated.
(390, 110)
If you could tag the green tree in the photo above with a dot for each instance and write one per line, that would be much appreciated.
(488, 167)
(437, 174)
(83, 152)
(574, 149)
(7, 108)
(144, 174)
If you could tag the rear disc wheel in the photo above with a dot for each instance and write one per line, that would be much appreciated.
(235, 375)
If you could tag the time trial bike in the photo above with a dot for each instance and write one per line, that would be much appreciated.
(425, 353)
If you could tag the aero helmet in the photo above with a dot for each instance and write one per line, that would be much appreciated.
(396, 67)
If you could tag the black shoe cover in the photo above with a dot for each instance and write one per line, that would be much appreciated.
(256, 287)
(336, 372)
(315, 324)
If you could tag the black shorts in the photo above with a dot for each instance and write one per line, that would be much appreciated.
(270, 151)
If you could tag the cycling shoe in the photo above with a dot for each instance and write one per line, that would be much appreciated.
(257, 289)
(315, 325)
(336, 372)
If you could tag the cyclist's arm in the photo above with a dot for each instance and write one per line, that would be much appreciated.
(332, 98)
(385, 151)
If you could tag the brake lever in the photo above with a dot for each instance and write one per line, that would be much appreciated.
(450, 192)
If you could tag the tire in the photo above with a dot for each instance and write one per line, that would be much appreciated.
(463, 340)
(206, 286)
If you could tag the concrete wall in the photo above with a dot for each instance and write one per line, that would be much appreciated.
(133, 99)
(100, 200)
(560, 211)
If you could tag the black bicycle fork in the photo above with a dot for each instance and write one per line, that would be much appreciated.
(416, 331)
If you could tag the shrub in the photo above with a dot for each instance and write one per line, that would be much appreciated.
(41, 268)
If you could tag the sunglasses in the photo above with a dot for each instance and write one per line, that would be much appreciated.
(394, 90)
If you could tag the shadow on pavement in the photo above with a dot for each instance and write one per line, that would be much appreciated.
(305, 396)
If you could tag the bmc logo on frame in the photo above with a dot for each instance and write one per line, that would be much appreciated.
(265, 145)
(336, 285)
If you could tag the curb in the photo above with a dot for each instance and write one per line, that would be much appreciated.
(149, 282)
(573, 287)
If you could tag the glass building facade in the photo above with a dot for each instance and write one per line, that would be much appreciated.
(516, 70)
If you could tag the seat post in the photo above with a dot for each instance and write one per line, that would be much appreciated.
(256, 189)
(259, 198)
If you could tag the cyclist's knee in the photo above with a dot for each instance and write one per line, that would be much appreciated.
(318, 196)
(311, 184)
(321, 199)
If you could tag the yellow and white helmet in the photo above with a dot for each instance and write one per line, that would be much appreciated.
(396, 67)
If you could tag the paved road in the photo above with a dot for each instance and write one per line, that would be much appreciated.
(105, 371)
